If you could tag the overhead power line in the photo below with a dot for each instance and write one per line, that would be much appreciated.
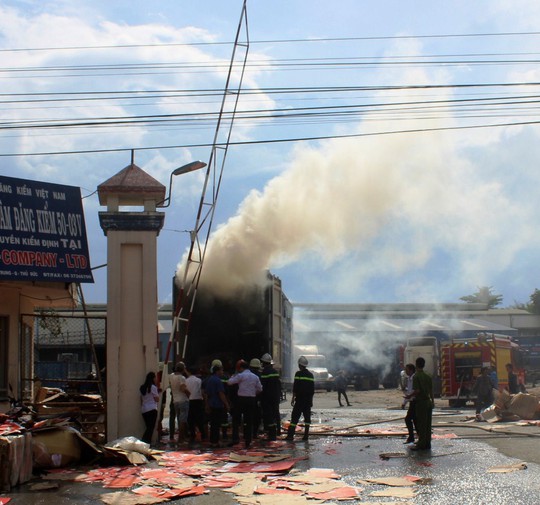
(174, 68)
(310, 40)
(276, 113)
(63, 96)
(276, 141)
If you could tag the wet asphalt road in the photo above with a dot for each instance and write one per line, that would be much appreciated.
(458, 467)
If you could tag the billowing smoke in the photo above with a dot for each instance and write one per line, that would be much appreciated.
(381, 205)
(388, 200)
(371, 345)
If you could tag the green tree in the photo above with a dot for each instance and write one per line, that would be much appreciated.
(520, 306)
(534, 306)
(484, 295)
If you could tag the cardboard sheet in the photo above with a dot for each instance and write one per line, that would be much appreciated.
(339, 493)
(127, 498)
(395, 492)
(508, 468)
(390, 481)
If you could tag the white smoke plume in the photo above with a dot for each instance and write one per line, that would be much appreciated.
(409, 193)
(388, 201)
(372, 343)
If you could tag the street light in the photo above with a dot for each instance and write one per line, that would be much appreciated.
(184, 169)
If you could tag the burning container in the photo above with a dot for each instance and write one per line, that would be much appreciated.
(257, 321)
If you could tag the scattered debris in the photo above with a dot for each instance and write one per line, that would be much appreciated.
(127, 498)
(44, 486)
(508, 468)
(388, 455)
(394, 481)
(507, 407)
(383, 503)
(395, 492)
(87, 411)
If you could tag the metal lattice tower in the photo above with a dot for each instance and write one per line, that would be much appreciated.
(201, 232)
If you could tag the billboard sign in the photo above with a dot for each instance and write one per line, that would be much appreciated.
(42, 232)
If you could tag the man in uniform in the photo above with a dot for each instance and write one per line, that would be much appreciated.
(271, 396)
(422, 395)
(302, 398)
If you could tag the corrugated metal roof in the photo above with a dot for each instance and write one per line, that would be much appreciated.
(303, 322)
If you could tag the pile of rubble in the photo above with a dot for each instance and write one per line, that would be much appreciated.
(507, 407)
(56, 430)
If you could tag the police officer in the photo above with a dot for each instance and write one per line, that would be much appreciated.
(302, 399)
(271, 396)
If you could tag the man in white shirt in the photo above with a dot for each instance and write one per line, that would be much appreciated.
(249, 386)
(409, 418)
(180, 398)
(196, 405)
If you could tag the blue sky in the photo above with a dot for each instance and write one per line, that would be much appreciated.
(427, 215)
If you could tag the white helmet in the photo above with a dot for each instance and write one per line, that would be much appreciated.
(266, 358)
(302, 360)
(255, 363)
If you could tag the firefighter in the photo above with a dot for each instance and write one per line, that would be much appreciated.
(270, 397)
(302, 398)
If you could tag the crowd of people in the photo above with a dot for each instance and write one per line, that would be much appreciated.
(219, 408)
(252, 395)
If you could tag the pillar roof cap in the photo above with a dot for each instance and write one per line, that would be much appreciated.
(132, 185)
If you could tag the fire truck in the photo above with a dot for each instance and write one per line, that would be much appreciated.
(462, 359)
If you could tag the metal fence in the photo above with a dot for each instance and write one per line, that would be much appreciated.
(62, 351)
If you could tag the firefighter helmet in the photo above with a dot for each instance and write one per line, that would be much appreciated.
(255, 363)
(302, 361)
(266, 358)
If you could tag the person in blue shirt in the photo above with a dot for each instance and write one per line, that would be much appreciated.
(216, 403)
(494, 378)
(513, 386)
